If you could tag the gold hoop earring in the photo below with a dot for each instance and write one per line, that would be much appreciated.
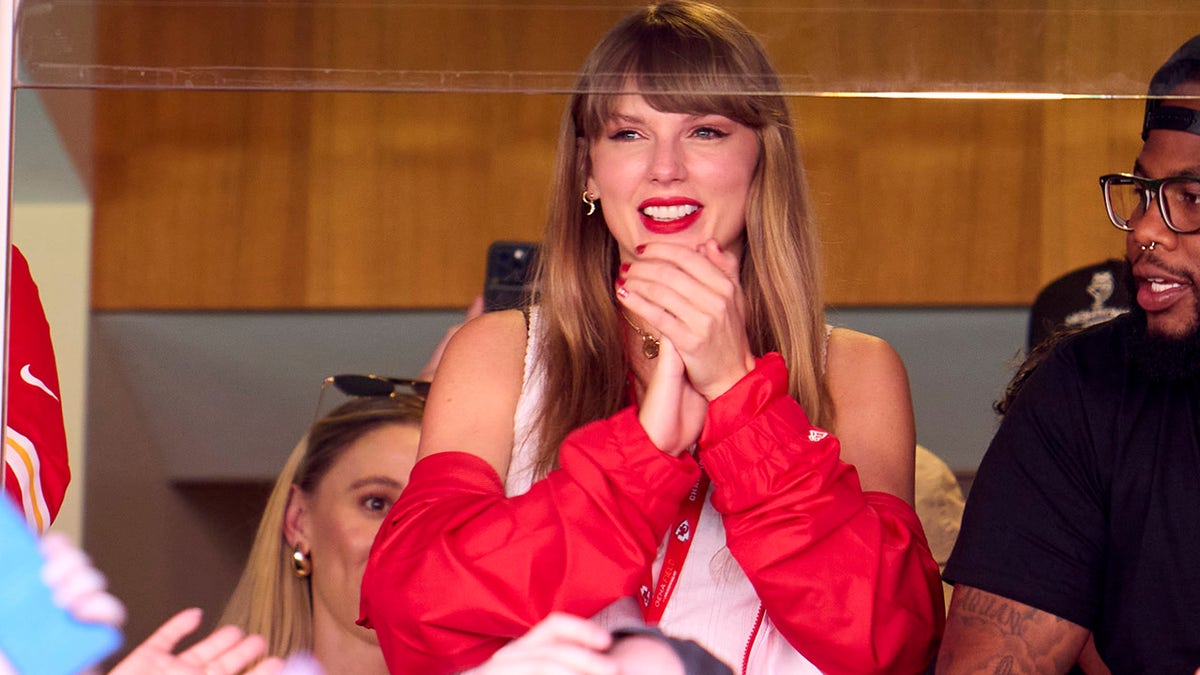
(590, 201)
(301, 563)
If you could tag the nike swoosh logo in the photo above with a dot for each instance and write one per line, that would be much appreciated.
(30, 378)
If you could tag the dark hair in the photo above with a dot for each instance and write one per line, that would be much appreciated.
(1036, 356)
(696, 660)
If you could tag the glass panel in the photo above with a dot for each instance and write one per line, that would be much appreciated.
(935, 48)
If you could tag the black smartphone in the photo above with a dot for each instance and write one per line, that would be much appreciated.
(510, 271)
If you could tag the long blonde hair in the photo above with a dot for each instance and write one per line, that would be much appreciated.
(270, 599)
(686, 57)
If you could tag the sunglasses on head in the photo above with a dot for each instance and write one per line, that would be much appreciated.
(371, 385)
(375, 385)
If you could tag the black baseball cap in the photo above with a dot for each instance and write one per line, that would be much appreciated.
(1182, 66)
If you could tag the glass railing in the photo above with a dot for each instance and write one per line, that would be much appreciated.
(822, 48)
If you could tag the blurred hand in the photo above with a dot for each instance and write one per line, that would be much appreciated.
(226, 650)
(430, 367)
(560, 644)
(76, 585)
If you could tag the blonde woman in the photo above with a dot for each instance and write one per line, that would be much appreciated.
(672, 435)
(300, 586)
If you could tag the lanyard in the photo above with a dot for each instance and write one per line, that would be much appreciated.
(680, 540)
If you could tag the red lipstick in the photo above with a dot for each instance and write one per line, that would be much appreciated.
(668, 215)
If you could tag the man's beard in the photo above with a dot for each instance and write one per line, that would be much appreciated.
(1164, 357)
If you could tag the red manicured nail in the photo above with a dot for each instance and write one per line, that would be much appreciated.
(624, 268)
(640, 248)
(620, 281)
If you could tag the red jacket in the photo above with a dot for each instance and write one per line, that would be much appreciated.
(458, 569)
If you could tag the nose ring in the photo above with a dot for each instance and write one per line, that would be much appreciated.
(1150, 247)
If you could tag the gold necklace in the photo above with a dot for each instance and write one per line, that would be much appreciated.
(649, 342)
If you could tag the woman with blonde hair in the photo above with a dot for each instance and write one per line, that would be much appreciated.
(299, 589)
(679, 343)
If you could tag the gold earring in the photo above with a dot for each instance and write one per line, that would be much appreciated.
(590, 201)
(301, 563)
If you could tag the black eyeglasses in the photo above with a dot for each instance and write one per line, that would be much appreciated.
(1127, 197)
(371, 385)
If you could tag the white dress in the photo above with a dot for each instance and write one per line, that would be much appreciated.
(713, 603)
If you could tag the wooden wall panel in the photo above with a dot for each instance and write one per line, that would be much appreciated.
(258, 200)
(269, 200)
(912, 195)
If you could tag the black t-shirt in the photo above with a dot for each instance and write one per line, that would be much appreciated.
(1087, 504)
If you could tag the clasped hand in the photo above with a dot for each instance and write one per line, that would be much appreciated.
(693, 299)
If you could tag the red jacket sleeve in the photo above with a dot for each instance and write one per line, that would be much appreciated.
(457, 569)
(35, 452)
(845, 575)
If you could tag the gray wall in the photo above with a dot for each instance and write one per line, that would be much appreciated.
(958, 360)
(225, 395)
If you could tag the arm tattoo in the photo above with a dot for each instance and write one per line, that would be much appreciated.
(1005, 666)
(990, 634)
(1001, 614)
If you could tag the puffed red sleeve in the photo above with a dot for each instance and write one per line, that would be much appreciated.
(845, 575)
(458, 569)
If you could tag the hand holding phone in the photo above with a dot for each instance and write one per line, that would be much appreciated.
(510, 275)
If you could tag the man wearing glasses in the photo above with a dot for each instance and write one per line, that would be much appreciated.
(1084, 519)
